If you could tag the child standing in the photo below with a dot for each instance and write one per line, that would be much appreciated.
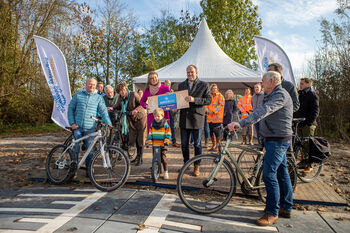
(160, 135)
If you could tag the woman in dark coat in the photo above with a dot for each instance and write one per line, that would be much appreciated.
(134, 121)
(229, 110)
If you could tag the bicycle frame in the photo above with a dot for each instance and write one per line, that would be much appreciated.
(97, 137)
(221, 158)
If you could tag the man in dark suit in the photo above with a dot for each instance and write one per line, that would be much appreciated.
(192, 118)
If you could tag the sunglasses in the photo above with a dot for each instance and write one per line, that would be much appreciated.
(92, 78)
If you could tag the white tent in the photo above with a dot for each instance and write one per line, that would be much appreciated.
(214, 66)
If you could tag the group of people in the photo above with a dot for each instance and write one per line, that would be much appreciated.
(270, 110)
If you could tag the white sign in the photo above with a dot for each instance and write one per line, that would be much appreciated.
(56, 74)
(269, 52)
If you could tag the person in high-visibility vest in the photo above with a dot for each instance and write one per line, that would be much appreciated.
(215, 114)
(245, 106)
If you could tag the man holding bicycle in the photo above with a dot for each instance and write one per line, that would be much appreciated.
(83, 106)
(275, 116)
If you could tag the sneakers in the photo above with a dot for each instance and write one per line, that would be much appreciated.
(284, 213)
(267, 220)
(196, 171)
(166, 175)
(176, 145)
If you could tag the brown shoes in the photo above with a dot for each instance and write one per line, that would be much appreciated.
(176, 145)
(196, 171)
(284, 213)
(267, 220)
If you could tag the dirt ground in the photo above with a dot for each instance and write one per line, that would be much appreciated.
(24, 157)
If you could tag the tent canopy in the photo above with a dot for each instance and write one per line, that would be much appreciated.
(214, 65)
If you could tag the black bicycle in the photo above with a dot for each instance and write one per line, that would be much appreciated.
(156, 163)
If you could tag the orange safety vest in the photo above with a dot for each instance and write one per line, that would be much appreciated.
(245, 106)
(216, 106)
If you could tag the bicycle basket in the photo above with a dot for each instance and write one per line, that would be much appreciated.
(319, 149)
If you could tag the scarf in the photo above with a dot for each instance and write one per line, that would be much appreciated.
(158, 125)
(154, 89)
(124, 120)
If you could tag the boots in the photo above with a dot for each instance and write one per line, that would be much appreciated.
(139, 160)
(243, 142)
(251, 140)
(196, 171)
(213, 140)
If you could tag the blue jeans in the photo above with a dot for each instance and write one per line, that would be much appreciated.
(276, 177)
(172, 126)
(185, 138)
(79, 133)
(206, 127)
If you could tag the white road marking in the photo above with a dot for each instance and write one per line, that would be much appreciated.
(71, 213)
(38, 220)
(52, 195)
(183, 225)
(219, 220)
(157, 218)
(66, 202)
(34, 210)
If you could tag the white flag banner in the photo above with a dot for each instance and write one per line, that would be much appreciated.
(56, 73)
(269, 52)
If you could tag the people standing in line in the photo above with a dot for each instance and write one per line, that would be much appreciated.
(192, 118)
(153, 87)
(140, 92)
(172, 115)
(309, 109)
(229, 110)
(257, 100)
(159, 135)
(245, 107)
(215, 114)
(100, 89)
(275, 116)
(133, 119)
(289, 86)
(84, 105)
(110, 100)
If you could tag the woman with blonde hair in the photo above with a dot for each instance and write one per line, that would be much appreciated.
(153, 87)
(229, 110)
(215, 113)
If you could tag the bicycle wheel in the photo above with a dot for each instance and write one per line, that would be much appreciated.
(109, 178)
(156, 168)
(246, 161)
(194, 192)
(292, 174)
(58, 165)
(307, 176)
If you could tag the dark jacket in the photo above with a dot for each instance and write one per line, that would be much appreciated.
(137, 126)
(110, 102)
(229, 111)
(290, 88)
(309, 107)
(275, 115)
(193, 117)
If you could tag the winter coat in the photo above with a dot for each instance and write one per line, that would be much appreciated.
(137, 126)
(229, 111)
(163, 89)
(85, 105)
(309, 107)
(217, 107)
(290, 88)
(275, 115)
(245, 105)
(193, 117)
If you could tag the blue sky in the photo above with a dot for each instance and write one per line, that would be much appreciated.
(292, 24)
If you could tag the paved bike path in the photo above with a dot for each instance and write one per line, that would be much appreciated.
(88, 210)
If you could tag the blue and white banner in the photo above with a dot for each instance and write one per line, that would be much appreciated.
(269, 52)
(56, 73)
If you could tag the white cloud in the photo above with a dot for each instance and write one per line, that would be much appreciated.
(294, 12)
